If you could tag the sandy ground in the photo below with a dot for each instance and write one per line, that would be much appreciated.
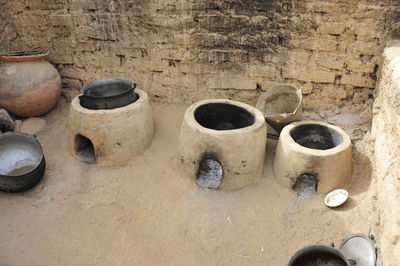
(147, 213)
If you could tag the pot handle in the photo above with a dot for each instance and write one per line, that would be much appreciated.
(82, 98)
(133, 86)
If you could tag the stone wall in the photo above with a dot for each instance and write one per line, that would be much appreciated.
(186, 50)
(386, 136)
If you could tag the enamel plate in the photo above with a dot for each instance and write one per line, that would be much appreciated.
(336, 198)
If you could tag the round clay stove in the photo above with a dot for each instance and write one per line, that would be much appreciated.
(222, 144)
(110, 137)
(315, 150)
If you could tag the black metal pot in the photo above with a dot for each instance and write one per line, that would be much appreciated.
(108, 94)
(22, 163)
(311, 253)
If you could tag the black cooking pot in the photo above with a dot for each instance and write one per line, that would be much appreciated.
(108, 94)
(318, 255)
(22, 163)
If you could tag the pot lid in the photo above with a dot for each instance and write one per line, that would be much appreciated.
(359, 250)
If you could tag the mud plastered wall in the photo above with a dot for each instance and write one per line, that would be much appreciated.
(183, 51)
(386, 136)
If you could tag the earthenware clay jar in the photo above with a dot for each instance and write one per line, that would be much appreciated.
(29, 85)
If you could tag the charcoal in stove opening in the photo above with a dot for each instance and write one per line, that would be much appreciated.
(84, 149)
(223, 116)
(306, 186)
(315, 136)
(210, 173)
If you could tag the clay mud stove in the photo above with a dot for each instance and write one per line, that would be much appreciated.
(200, 132)
(110, 122)
(224, 142)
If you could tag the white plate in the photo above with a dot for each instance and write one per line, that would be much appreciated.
(336, 198)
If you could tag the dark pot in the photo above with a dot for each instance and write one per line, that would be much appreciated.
(108, 94)
(307, 255)
(22, 163)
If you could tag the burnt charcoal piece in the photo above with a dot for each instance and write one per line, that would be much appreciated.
(210, 174)
(316, 137)
(223, 116)
(226, 126)
(84, 148)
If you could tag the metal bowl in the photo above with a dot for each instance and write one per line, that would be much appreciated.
(22, 163)
(318, 255)
(108, 94)
(281, 105)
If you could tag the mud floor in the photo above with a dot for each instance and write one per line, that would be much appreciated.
(147, 213)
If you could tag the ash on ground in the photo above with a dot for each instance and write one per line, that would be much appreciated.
(210, 174)
(305, 187)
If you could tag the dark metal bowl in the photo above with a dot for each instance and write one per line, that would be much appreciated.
(311, 254)
(108, 94)
(22, 163)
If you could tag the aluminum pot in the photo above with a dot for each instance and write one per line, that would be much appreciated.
(325, 254)
(22, 162)
(108, 94)
(29, 85)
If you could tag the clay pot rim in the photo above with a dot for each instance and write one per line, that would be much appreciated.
(23, 58)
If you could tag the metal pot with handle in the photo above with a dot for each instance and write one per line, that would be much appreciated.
(108, 94)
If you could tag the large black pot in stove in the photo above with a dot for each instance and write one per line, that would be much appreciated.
(108, 94)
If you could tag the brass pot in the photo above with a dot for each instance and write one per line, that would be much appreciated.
(281, 105)
(29, 85)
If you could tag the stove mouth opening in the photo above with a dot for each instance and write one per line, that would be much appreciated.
(210, 173)
(223, 116)
(84, 149)
(305, 186)
(314, 136)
